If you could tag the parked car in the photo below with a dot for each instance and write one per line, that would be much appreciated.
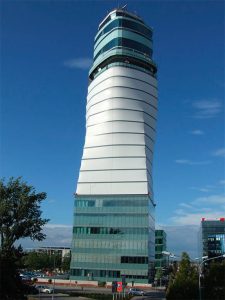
(136, 292)
(37, 275)
(44, 289)
(25, 278)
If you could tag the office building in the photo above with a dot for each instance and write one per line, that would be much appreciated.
(114, 226)
(212, 237)
(160, 246)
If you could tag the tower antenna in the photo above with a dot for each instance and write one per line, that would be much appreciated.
(124, 6)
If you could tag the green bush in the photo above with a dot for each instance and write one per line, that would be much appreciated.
(96, 296)
(101, 283)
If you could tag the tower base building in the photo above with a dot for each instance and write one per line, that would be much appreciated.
(114, 226)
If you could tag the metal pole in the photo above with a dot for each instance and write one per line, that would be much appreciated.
(199, 282)
(53, 293)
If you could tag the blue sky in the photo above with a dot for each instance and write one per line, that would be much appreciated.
(47, 47)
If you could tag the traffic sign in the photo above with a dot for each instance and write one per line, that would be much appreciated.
(119, 286)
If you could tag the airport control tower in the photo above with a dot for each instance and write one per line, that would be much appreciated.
(114, 225)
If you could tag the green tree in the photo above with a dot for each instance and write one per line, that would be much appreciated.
(66, 262)
(42, 261)
(20, 217)
(183, 285)
(158, 276)
(214, 281)
(20, 214)
(36, 261)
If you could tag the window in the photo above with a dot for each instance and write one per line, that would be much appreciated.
(110, 230)
(126, 24)
(134, 259)
(126, 43)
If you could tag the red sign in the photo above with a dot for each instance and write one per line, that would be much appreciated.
(119, 286)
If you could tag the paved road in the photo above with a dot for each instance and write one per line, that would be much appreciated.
(61, 294)
(156, 295)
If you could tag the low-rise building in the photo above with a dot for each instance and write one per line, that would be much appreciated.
(62, 251)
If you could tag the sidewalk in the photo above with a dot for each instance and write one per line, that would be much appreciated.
(57, 297)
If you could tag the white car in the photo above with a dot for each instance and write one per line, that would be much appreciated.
(136, 292)
(44, 289)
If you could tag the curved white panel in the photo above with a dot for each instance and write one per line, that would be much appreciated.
(117, 139)
(122, 92)
(113, 176)
(116, 151)
(123, 82)
(120, 132)
(114, 163)
(118, 115)
(118, 126)
(120, 71)
(120, 103)
(113, 188)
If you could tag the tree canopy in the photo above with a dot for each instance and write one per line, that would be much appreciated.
(20, 213)
(184, 283)
(20, 217)
(214, 281)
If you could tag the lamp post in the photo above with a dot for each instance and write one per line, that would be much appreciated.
(169, 254)
(53, 292)
(205, 259)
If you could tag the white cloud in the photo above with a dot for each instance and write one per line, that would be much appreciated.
(50, 201)
(210, 207)
(204, 190)
(186, 205)
(57, 235)
(219, 152)
(213, 199)
(192, 163)
(195, 218)
(187, 235)
(57, 226)
(207, 109)
(197, 132)
(82, 63)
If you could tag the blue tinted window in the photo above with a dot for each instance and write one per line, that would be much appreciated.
(126, 24)
(109, 230)
(123, 42)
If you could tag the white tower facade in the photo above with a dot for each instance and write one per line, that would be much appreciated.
(114, 206)
(120, 133)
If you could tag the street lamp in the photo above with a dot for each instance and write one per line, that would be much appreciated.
(205, 259)
(53, 293)
(169, 255)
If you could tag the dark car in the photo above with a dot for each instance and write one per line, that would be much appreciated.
(30, 289)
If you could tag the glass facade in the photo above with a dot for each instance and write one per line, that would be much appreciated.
(111, 237)
(128, 24)
(125, 43)
(212, 237)
(160, 245)
(126, 33)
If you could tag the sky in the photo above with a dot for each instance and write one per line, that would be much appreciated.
(46, 52)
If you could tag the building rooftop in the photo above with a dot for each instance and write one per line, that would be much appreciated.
(119, 12)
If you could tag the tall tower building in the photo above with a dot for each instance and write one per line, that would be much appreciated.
(114, 226)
